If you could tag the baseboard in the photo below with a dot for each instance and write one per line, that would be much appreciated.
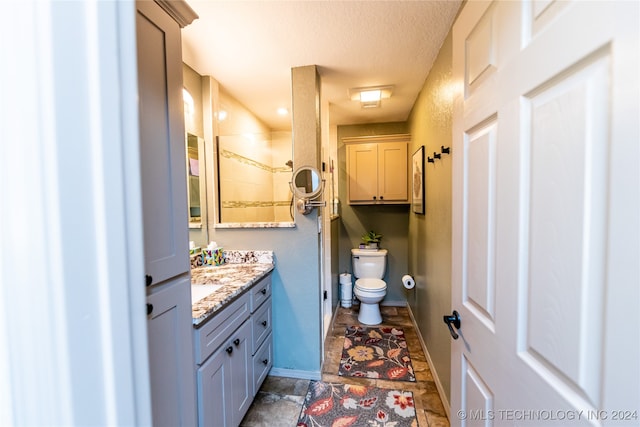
(434, 373)
(295, 373)
(393, 303)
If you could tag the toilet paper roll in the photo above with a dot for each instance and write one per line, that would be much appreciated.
(345, 279)
(408, 281)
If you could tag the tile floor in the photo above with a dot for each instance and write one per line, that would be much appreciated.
(279, 400)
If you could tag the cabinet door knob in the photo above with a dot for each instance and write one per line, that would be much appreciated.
(236, 342)
(148, 280)
(264, 291)
(229, 350)
(264, 323)
(149, 308)
(381, 197)
(265, 361)
(374, 197)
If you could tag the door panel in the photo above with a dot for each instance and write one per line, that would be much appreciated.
(392, 171)
(478, 287)
(566, 124)
(477, 398)
(363, 174)
(545, 213)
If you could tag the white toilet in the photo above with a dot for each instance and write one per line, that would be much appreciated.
(368, 268)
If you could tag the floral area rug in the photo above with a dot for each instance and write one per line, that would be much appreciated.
(376, 353)
(342, 405)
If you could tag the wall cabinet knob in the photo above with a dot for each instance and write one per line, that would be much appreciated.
(229, 349)
(236, 342)
(149, 308)
(148, 280)
(264, 323)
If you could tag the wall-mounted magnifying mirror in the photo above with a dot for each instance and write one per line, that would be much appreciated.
(307, 186)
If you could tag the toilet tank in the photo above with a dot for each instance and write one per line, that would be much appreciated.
(369, 264)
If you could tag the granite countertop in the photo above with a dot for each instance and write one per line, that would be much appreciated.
(241, 270)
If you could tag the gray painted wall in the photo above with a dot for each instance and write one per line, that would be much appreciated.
(430, 234)
(392, 221)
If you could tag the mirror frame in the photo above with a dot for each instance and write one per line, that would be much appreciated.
(304, 195)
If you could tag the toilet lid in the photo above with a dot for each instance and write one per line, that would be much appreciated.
(371, 284)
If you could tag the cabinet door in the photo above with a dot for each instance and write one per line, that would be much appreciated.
(214, 391)
(170, 341)
(392, 171)
(363, 172)
(242, 369)
(162, 149)
(225, 382)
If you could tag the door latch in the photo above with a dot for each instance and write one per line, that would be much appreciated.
(453, 319)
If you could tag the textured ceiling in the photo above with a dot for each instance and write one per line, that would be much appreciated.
(249, 47)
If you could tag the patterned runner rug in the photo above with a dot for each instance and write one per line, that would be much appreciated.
(332, 404)
(376, 353)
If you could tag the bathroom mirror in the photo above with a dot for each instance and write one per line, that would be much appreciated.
(307, 186)
(307, 182)
(195, 179)
(253, 168)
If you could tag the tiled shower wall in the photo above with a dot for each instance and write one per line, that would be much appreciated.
(255, 178)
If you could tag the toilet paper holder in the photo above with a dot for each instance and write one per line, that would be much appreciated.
(408, 282)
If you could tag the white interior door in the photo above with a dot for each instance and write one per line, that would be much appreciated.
(546, 214)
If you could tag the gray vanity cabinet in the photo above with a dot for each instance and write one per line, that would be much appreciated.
(170, 357)
(225, 381)
(234, 354)
(164, 207)
(162, 152)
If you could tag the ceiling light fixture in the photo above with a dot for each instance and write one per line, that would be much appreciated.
(283, 111)
(370, 97)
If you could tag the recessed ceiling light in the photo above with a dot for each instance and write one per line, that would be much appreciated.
(283, 111)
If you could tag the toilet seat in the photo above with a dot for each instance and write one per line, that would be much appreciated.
(368, 284)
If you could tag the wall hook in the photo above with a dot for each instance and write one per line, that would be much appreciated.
(445, 150)
(430, 160)
(436, 155)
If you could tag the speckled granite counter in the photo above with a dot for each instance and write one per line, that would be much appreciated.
(241, 270)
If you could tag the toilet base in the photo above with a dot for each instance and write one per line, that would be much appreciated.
(369, 314)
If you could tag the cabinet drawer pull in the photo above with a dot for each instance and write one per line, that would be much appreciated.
(229, 350)
(265, 361)
(149, 309)
(264, 291)
(236, 342)
(264, 323)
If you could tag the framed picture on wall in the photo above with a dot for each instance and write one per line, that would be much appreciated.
(417, 181)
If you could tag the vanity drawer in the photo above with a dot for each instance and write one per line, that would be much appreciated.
(216, 330)
(261, 324)
(260, 292)
(262, 362)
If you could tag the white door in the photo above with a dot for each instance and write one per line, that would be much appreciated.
(546, 214)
